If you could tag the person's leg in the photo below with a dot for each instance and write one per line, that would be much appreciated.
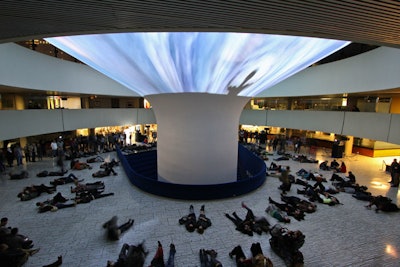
(232, 219)
(204, 261)
(396, 180)
(171, 257)
(213, 262)
(158, 258)
(202, 210)
(126, 225)
(250, 214)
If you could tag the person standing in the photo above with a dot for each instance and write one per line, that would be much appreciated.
(395, 171)
(393, 167)
(284, 178)
(54, 148)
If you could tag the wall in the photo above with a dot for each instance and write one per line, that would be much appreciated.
(375, 126)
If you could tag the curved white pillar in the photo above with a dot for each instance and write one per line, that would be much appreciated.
(197, 140)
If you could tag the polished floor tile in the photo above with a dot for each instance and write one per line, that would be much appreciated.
(343, 235)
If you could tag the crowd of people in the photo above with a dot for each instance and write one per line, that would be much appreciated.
(316, 190)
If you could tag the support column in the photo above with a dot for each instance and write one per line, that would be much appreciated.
(348, 146)
(197, 140)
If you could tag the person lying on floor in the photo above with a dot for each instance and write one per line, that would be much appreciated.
(96, 186)
(107, 172)
(19, 175)
(95, 159)
(326, 198)
(189, 220)
(58, 198)
(276, 213)
(14, 257)
(304, 159)
(301, 204)
(88, 196)
(202, 221)
(324, 166)
(130, 255)
(243, 226)
(309, 175)
(34, 191)
(208, 258)
(112, 163)
(274, 167)
(16, 240)
(44, 207)
(289, 209)
(158, 259)
(71, 178)
(77, 165)
(114, 230)
(192, 223)
(259, 223)
(382, 203)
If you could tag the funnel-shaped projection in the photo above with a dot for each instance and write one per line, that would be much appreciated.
(183, 62)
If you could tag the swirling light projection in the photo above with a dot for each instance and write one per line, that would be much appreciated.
(206, 62)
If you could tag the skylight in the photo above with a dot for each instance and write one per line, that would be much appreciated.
(206, 62)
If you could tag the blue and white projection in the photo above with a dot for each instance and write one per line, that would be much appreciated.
(202, 62)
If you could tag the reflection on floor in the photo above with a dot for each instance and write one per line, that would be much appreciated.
(344, 235)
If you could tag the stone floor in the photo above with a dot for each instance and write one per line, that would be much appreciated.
(344, 235)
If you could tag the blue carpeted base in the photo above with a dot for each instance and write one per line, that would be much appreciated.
(141, 168)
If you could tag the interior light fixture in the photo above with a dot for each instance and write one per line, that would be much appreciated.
(207, 62)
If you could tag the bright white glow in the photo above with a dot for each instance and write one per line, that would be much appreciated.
(155, 63)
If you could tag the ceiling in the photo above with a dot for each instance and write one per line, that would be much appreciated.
(373, 22)
(370, 22)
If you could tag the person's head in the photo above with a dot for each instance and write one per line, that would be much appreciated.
(200, 229)
(14, 231)
(286, 220)
(4, 221)
(190, 227)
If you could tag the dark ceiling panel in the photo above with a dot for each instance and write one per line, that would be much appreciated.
(372, 22)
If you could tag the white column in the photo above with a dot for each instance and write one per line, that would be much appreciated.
(197, 140)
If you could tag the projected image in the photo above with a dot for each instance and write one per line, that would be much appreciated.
(215, 63)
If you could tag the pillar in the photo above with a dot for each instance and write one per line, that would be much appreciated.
(197, 139)
(19, 102)
(348, 146)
